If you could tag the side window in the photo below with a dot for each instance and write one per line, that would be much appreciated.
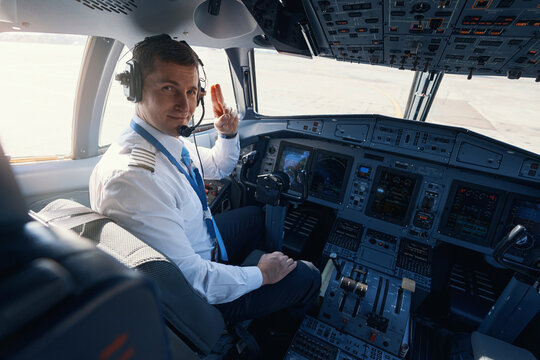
(216, 66)
(39, 73)
(118, 111)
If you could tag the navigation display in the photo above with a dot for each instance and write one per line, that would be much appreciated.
(471, 212)
(329, 175)
(291, 160)
(392, 195)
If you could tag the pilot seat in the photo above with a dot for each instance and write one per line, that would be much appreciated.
(190, 319)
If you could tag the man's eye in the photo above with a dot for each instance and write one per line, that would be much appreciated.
(168, 88)
(192, 92)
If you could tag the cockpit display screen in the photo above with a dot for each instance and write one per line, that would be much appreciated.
(392, 195)
(471, 212)
(329, 175)
(292, 159)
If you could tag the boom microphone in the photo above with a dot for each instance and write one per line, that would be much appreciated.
(185, 130)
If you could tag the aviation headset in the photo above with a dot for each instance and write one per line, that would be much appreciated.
(132, 81)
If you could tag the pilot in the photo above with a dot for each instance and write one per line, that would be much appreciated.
(149, 182)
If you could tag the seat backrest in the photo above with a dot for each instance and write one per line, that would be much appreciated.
(189, 316)
(61, 298)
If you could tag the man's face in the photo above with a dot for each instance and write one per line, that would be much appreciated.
(169, 96)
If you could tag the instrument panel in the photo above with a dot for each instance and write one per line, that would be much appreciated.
(402, 193)
(395, 200)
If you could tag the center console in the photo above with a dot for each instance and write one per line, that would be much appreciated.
(365, 314)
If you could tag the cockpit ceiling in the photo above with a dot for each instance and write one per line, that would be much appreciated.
(131, 20)
(471, 37)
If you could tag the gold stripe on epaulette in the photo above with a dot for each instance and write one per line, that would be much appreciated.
(142, 158)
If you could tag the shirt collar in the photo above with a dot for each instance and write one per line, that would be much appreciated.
(171, 143)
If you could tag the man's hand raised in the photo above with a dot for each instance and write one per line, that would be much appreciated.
(227, 118)
(275, 266)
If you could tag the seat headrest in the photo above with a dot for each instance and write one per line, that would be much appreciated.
(13, 210)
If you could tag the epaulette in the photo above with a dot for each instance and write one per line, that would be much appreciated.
(142, 158)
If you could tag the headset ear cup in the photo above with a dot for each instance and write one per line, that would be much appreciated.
(131, 80)
(136, 81)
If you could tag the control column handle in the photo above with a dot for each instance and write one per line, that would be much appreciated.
(513, 236)
(520, 238)
(248, 161)
(302, 179)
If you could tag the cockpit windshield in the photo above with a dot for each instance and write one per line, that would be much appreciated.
(485, 104)
(503, 109)
(289, 85)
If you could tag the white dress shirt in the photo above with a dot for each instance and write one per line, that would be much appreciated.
(162, 209)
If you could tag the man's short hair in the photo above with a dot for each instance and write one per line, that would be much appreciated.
(165, 49)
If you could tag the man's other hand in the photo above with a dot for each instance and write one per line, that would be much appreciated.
(275, 266)
(227, 118)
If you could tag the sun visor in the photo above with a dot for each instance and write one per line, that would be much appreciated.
(234, 20)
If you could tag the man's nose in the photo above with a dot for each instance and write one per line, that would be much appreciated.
(181, 102)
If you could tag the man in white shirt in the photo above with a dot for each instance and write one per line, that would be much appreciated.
(149, 183)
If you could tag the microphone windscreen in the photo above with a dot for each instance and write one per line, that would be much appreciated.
(185, 131)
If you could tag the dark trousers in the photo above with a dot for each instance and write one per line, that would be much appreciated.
(243, 231)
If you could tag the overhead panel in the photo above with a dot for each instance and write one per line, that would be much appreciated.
(489, 35)
(416, 31)
(415, 52)
(527, 58)
(354, 29)
(474, 37)
(507, 18)
(480, 54)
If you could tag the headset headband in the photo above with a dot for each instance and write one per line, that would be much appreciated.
(132, 79)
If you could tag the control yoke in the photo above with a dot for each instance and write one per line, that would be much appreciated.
(519, 238)
(272, 188)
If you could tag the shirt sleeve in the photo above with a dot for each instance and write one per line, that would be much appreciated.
(220, 160)
(139, 202)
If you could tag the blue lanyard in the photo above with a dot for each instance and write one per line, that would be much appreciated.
(197, 184)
